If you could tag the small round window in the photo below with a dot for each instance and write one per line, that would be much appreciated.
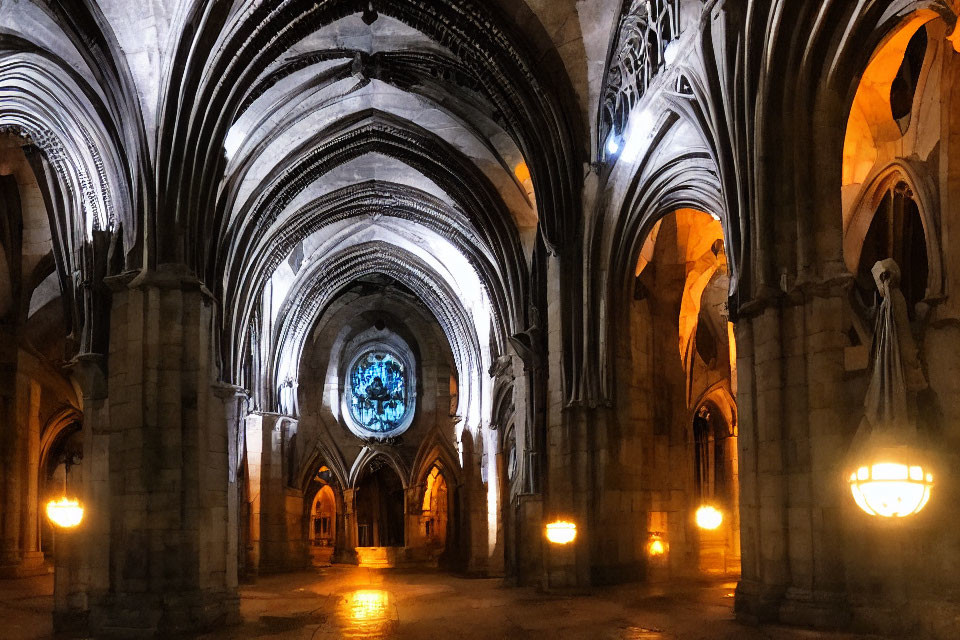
(378, 385)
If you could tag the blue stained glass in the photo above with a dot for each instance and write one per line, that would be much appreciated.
(379, 385)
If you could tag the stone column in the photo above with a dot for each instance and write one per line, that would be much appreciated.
(266, 470)
(763, 532)
(32, 558)
(82, 567)
(793, 421)
(11, 453)
(343, 545)
(412, 513)
(234, 401)
(567, 451)
(473, 507)
(253, 424)
(816, 595)
(155, 554)
(19, 463)
(349, 544)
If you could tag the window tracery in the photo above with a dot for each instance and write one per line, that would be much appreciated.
(639, 54)
(379, 392)
(897, 232)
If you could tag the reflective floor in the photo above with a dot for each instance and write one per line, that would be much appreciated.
(375, 604)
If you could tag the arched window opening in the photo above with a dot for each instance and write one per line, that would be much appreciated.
(896, 231)
(322, 528)
(323, 514)
(715, 486)
(904, 85)
(706, 341)
(434, 509)
(323, 518)
(711, 456)
(454, 395)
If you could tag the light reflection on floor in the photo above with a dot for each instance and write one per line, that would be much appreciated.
(367, 614)
(340, 602)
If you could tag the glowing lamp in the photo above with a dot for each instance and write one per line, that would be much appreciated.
(891, 489)
(709, 517)
(561, 532)
(65, 513)
(656, 547)
(890, 470)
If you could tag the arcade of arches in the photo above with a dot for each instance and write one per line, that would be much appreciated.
(296, 284)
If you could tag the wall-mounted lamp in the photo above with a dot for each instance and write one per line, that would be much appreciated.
(561, 532)
(66, 513)
(656, 547)
(709, 517)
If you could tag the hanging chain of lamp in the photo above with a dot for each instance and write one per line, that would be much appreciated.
(889, 474)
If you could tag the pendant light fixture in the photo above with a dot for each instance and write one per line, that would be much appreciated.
(889, 474)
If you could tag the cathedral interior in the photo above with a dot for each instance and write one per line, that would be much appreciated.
(600, 319)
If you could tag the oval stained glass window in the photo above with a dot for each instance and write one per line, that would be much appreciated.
(379, 392)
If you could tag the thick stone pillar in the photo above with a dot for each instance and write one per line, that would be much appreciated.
(567, 452)
(82, 567)
(763, 531)
(156, 554)
(794, 423)
(31, 562)
(816, 595)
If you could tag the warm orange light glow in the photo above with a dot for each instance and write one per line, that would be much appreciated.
(369, 604)
(522, 171)
(709, 517)
(656, 547)
(561, 532)
(891, 489)
(871, 123)
(65, 512)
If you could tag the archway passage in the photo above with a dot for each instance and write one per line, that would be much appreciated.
(683, 343)
(60, 474)
(323, 526)
(380, 509)
(715, 485)
(435, 515)
(324, 512)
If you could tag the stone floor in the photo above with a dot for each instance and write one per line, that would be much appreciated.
(352, 603)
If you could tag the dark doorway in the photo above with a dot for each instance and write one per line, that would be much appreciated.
(380, 509)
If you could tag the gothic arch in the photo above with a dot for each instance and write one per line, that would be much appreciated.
(436, 450)
(862, 212)
(367, 456)
(323, 454)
